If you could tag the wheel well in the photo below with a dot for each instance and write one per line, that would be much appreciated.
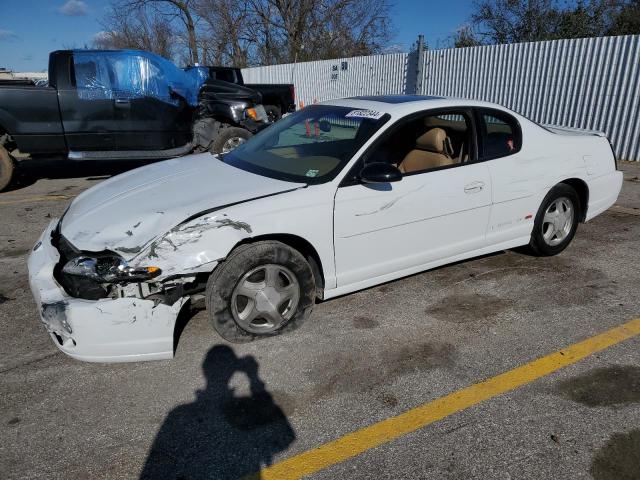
(224, 121)
(6, 140)
(582, 190)
(304, 247)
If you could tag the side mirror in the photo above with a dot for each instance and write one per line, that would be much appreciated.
(380, 172)
(324, 126)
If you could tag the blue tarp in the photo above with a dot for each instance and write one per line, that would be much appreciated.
(130, 74)
(198, 74)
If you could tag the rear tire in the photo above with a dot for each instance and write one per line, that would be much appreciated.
(229, 138)
(245, 302)
(7, 168)
(556, 222)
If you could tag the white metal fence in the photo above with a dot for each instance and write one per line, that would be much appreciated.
(338, 78)
(591, 83)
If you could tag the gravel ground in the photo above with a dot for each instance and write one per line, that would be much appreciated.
(221, 411)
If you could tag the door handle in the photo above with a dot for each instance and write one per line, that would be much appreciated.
(474, 187)
(122, 103)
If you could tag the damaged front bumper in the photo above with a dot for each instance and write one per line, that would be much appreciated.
(107, 330)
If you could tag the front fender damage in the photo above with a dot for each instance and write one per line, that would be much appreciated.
(193, 246)
(137, 320)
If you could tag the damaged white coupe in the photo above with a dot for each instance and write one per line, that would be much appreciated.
(335, 198)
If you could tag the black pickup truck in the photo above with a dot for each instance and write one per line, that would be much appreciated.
(122, 104)
(276, 98)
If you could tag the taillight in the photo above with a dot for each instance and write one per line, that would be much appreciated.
(615, 159)
(292, 89)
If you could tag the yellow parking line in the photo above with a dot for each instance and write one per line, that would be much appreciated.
(382, 432)
(47, 198)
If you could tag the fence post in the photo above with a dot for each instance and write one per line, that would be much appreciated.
(420, 67)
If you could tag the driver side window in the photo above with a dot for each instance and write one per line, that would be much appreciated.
(92, 78)
(428, 142)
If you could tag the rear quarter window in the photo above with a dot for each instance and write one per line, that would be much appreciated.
(500, 134)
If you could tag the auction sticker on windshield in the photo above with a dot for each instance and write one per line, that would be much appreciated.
(375, 115)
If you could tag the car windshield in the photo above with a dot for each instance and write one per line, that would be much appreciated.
(310, 146)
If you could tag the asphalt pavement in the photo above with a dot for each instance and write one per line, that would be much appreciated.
(223, 411)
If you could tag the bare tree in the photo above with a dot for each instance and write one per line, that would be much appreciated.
(465, 37)
(224, 38)
(627, 21)
(510, 21)
(139, 30)
(289, 30)
(256, 32)
(178, 14)
(507, 21)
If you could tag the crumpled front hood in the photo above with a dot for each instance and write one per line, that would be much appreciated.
(124, 213)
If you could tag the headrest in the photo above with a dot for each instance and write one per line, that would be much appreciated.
(433, 140)
(432, 122)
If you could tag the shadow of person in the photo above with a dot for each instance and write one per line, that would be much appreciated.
(220, 436)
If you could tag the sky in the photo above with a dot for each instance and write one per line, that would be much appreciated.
(30, 29)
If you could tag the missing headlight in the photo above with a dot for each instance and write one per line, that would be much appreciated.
(108, 269)
(92, 275)
(83, 287)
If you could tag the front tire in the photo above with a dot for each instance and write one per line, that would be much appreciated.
(229, 138)
(262, 289)
(7, 167)
(556, 222)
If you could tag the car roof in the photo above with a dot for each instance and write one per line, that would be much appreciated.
(400, 105)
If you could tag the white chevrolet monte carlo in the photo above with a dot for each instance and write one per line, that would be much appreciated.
(334, 198)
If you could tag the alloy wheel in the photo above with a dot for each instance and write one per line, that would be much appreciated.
(265, 298)
(558, 221)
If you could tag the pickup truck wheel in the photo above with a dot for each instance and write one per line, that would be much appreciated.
(229, 138)
(6, 168)
(273, 113)
(262, 289)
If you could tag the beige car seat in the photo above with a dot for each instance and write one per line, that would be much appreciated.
(433, 149)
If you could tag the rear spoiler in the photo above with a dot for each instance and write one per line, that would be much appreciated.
(573, 131)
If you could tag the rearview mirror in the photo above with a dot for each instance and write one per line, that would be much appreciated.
(380, 172)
